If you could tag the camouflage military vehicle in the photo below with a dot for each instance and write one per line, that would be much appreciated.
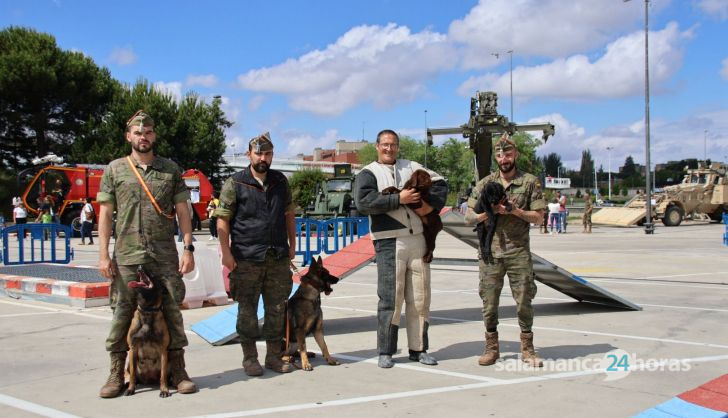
(334, 195)
(703, 194)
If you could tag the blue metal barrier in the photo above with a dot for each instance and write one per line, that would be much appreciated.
(313, 235)
(40, 234)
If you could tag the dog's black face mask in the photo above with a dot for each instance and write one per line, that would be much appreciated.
(319, 277)
(147, 290)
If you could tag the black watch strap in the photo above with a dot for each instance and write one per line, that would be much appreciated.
(190, 248)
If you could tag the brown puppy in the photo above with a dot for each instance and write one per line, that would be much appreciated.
(304, 313)
(148, 338)
(431, 223)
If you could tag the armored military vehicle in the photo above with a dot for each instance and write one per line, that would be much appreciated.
(703, 194)
(334, 195)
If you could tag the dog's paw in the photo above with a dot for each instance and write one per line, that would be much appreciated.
(129, 391)
(332, 361)
(164, 393)
(307, 366)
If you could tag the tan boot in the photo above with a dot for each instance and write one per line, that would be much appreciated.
(115, 383)
(250, 360)
(588, 231)
(178, 375)
(492, 349)
(528, 353)
(273, 358)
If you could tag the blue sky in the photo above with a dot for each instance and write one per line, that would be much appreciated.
(314, 72)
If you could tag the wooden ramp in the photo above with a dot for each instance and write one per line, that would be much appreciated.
(618, 216)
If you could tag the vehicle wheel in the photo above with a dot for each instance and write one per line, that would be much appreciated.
(673, 216)
(72, 218)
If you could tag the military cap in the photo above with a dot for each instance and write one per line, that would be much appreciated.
(261, 143)
(505, 143)
(140, 118)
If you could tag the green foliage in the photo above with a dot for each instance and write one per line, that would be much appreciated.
(551, 163)
(192, 132)
(48, 97)
(367, 154)
(454, 161)
(578, 193)
(303, 186)
(625, 191)
(586, 171)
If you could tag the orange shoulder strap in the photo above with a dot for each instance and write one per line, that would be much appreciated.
(146, 189)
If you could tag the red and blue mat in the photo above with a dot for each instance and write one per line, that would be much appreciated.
(706, 401)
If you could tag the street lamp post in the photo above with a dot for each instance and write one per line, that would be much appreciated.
(426, 138)
(497, 56)
(649, 226)
(705, 145)
(609, 167)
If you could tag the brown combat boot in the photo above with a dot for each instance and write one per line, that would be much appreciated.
(250, 360)
(273, 358)
(115, 383)
(178, 375)
(492, 349)
(588, 231)
(528, 353)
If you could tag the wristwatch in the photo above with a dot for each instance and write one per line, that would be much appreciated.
(190, 248)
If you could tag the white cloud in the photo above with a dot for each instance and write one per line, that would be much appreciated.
(724, 70)
(669, 140)
(173, 88)
(619, 72)
(368, 64)
(204, 80)
(716, 8)
(294, 143)
(546, 28)
(123, 56)
(255, 102)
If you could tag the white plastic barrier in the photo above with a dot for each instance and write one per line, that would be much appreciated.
(205, 282)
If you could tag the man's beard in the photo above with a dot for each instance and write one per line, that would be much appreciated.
(507, 167)
(261, 167)
(137, 147)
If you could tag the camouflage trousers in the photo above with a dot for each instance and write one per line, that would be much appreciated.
(270, 278)
(523, 288)
(123, 303)
(586, 218)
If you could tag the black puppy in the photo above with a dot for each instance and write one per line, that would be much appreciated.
(492, 195)
(304, 314)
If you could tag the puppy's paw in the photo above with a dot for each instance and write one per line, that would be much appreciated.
(129, 391)
(307, 366)
(332, 361)
(164, 393)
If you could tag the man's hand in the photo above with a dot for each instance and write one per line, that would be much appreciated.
(106, 268)
(187, 264)
(409, 196)
(228, 261)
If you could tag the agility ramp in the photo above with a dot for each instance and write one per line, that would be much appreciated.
(220, 328)
(545, 272)
(618, 216)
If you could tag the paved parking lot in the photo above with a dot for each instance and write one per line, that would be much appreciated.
(53, 361)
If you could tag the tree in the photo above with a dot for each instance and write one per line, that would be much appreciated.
(552, 164)
(48, 96)
(454, 161)
(367, 154)
(586, 171)
(629, 168)
(192, 133)
(303, 185)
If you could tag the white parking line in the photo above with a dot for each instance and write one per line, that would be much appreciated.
(33, 408)
(572, 331)
(423, 392)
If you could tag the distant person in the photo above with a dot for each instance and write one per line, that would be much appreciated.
(87, 222)
(20, 215)
(211, 206)
(586, 219)
(554, 215)
(563, 213)
(45, 217)
(511, 250)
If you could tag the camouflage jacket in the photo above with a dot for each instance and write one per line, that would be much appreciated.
(511, 232)
(143, 235)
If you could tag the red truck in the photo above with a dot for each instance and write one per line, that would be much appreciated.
(69, 185)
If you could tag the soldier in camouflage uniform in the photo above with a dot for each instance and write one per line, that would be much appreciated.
(511, 250)
(144, 238)
(588, 208)
(257, 230)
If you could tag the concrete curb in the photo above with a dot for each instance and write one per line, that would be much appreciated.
(84, 295)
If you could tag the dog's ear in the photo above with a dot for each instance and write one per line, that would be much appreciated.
(320, 263)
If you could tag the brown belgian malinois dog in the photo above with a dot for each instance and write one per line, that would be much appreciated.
(304, 315)
(148, 337)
